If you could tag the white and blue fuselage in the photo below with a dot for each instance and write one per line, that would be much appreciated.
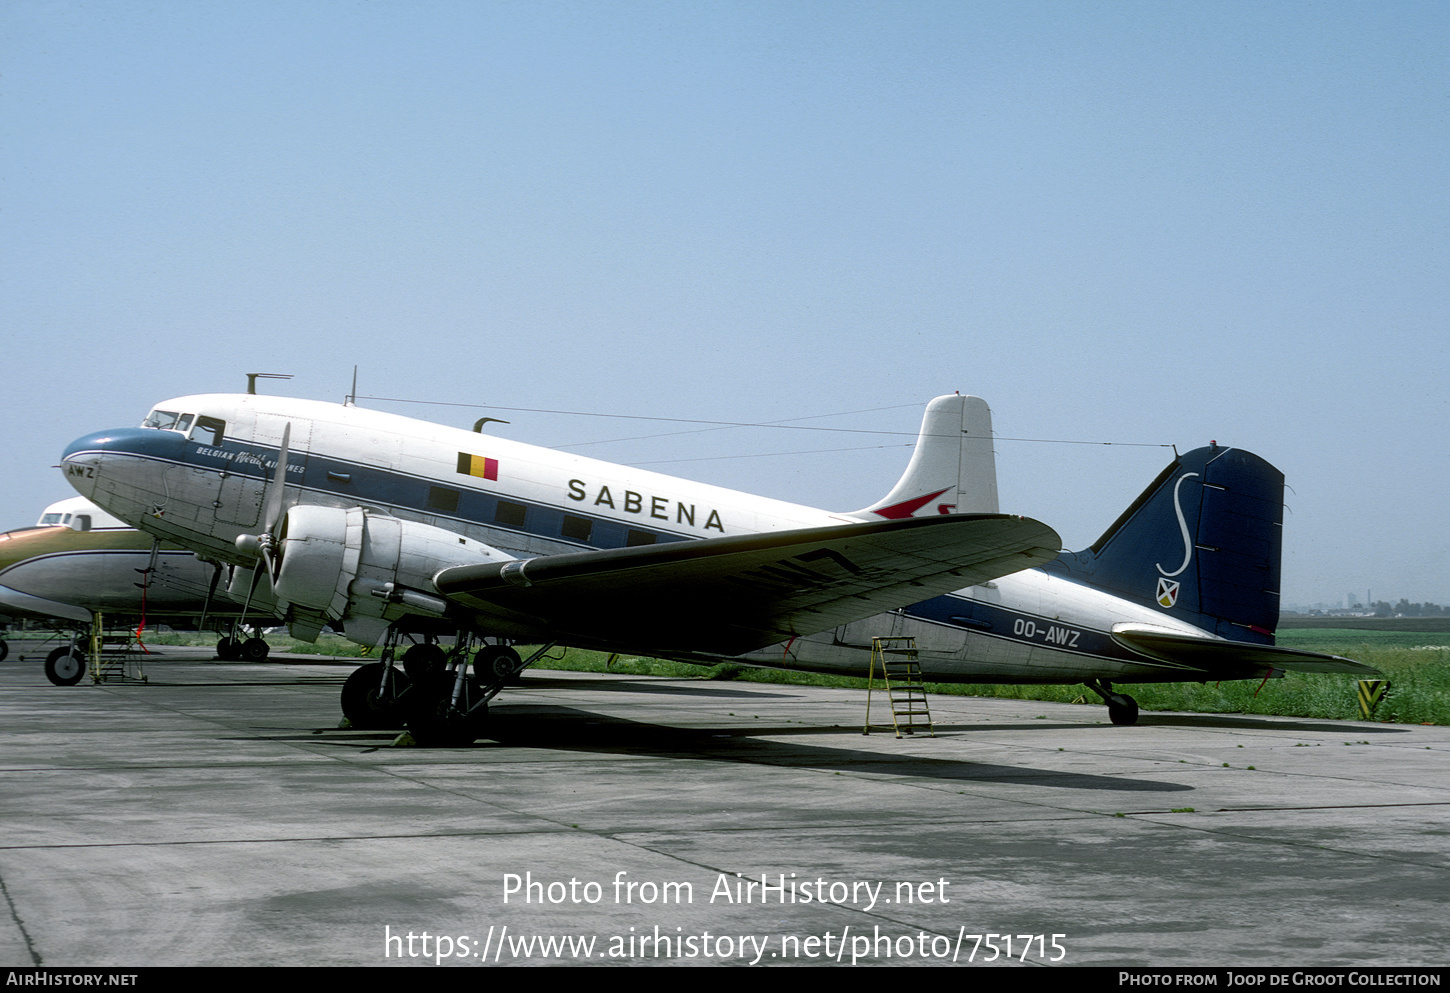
(197, 474)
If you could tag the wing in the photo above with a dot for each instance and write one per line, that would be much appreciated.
(1218, 656)
(734, 594)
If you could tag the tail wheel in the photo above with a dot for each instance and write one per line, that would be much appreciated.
(65, 666)
(1122, 709)
(372, 696)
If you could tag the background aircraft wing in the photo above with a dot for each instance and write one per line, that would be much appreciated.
(737, 593)
(1216, 656)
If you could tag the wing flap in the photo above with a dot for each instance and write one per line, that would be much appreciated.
(1217, 655)
(733, 594)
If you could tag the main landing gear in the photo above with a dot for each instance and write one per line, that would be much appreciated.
(437, 694)
(237, 648)
(1122, 709)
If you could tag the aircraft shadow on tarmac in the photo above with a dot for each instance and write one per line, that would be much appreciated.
(1262, 722)
(657, 686)
(1248, 722)
(549, 727)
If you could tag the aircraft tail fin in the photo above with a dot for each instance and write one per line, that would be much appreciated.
(1202, 544)
(952, 471)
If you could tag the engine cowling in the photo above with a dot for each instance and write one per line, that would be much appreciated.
(332, 563)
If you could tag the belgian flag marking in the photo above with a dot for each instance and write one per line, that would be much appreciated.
(477, 465)
(1371, 692)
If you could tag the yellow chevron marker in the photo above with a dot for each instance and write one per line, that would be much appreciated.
(1371, 692)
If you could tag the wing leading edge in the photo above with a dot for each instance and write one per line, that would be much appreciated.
(734, 594)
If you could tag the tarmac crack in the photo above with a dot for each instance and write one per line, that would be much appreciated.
(35, 958)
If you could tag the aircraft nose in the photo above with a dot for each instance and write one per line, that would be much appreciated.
(98, 441)
(126, 441)
(126, 450)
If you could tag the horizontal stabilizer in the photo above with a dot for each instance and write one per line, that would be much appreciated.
(733, 594)
(26, 603)
(1215, 655)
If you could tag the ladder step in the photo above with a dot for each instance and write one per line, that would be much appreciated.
(905, 690)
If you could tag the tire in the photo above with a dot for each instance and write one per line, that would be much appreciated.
(4, 650)
(65, 667)
(496, 665)
(441, 726)
(254, 650)
(434, 722)
(368, 703)
(420, 661)
(226, 650)
(1123, 711)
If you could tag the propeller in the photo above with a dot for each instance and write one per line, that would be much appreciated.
(264, 545)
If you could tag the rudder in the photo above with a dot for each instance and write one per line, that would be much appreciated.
(1202, 543)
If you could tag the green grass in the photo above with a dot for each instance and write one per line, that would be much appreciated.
(328, 644)
(1416, 664)
(1419, 681)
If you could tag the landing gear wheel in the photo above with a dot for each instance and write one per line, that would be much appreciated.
(1122, 709)
(442, 725)
(254, 650)
(435, 722)
(228, 650)
(371, 697)
(496, 665)
(64, 667)
(4, 651)
(421, 661)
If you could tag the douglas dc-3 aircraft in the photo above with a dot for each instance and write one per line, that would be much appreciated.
(386, 526)
(79, 563)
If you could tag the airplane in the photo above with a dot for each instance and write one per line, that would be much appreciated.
(79, 563)
(386, 526)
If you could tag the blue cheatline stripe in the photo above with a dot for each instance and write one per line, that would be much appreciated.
(366, 484)
(989, 620)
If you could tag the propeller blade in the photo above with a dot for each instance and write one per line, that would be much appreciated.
(216, 575)
(273, 500)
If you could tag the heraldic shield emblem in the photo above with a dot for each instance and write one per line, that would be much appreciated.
(1167, 592)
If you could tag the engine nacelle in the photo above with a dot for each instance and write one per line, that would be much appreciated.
(332, 561)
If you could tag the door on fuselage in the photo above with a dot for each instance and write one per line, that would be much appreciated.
(254, 443)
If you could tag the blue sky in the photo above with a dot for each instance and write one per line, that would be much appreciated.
(1145, 223)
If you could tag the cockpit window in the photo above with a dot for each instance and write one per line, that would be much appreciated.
(50, 520)
(210, 430)
(163, 420)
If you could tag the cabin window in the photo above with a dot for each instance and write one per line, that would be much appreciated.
(511, 514)
(576, 528)
(639, 538)
(442, 498)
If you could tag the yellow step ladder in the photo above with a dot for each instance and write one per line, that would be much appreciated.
(117, 663)
(901, 675)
